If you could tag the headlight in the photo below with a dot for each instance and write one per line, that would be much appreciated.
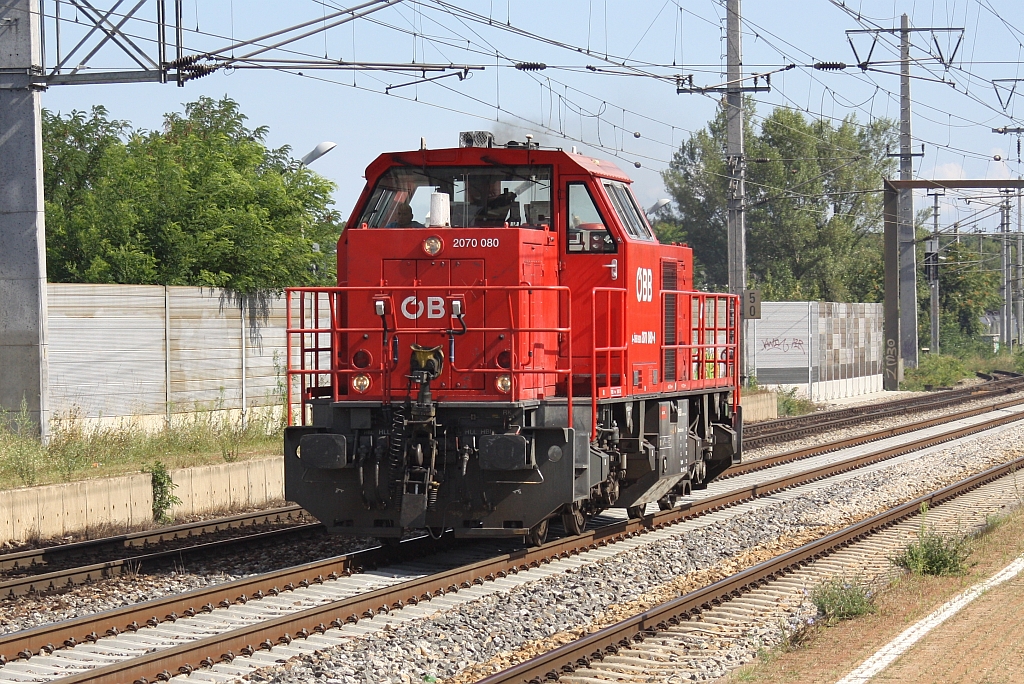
(432, 245)
(504, 359)
(361, 383)
(362, 359)
(503, 383)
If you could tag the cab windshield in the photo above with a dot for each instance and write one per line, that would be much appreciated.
(477, 196)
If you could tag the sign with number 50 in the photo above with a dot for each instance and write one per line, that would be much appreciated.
(751, 304)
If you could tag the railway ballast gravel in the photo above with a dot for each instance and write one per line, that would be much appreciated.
(533, 616)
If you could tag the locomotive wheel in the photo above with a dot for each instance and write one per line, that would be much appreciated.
(667, 502)
(573, 519)
(636, 511)
(538, 533)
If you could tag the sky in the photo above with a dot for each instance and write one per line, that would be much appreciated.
(609, 86)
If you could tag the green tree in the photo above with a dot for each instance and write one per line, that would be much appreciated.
(967, 290)
(697, 180)
(202, 202)
(75, 150)
(813, 204)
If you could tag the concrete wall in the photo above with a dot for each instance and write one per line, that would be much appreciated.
(59, 510)
(761, 406)
(228, 485)
(127, 502)
(824, 350)
(151, 352)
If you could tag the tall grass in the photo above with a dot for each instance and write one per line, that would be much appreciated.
(933, 553)
(791, 405)
(936, 370)
(946, 370)
(839, 599)
(79, 450)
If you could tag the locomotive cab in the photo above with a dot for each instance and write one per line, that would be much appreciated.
(508, 344)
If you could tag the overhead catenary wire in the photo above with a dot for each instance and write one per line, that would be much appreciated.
(424, 18)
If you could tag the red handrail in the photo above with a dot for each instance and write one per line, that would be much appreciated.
(704, 356)
(306, 333)
(609, 349)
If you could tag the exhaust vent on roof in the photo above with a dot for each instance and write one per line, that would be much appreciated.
(476, 139)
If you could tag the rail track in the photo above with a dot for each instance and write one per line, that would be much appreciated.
(52, 567)
(58, 567)
(289, 612)
(768, 432)
(62, 566)
(581, 660)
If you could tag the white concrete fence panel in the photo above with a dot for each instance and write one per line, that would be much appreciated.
(149, 351)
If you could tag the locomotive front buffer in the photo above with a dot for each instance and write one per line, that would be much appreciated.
(508, 345)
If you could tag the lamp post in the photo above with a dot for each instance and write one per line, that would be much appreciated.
(657, 206)
(314, 154)
(317, 152)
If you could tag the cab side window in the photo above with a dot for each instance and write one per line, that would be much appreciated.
(587, 231)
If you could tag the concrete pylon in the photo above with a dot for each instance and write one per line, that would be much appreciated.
(23, 327)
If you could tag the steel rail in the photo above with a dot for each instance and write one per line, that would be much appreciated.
(124, 552)
(845, 443)
(59, 579)
(86, 628)
(50, 554)
(70, 576)
(548, 667)
(281, 630)
(783, 429)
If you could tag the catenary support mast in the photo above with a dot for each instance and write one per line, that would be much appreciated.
(734, 153)
(1005, 290)
(23, 326)
(904, 305)
(907, 239)
(158, 58)
(891, 360)
(932, 266)
(734, 88)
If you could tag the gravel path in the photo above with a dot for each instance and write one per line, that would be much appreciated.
(539, 615)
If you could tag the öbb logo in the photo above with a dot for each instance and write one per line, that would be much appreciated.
(413, 308)
(644, 285)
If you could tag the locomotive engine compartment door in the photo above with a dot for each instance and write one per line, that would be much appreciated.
(430, 309)
(593, 261)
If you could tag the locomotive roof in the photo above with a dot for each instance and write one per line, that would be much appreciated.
(491, 156)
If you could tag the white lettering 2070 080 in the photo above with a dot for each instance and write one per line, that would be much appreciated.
(473, 242)
(644, 285)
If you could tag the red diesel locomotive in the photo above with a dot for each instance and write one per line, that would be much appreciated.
(508, 343)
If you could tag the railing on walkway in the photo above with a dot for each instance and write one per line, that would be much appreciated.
(319, 332)
(608, 356)
(708, 356)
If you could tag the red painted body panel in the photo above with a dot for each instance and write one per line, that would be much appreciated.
(611, 324)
